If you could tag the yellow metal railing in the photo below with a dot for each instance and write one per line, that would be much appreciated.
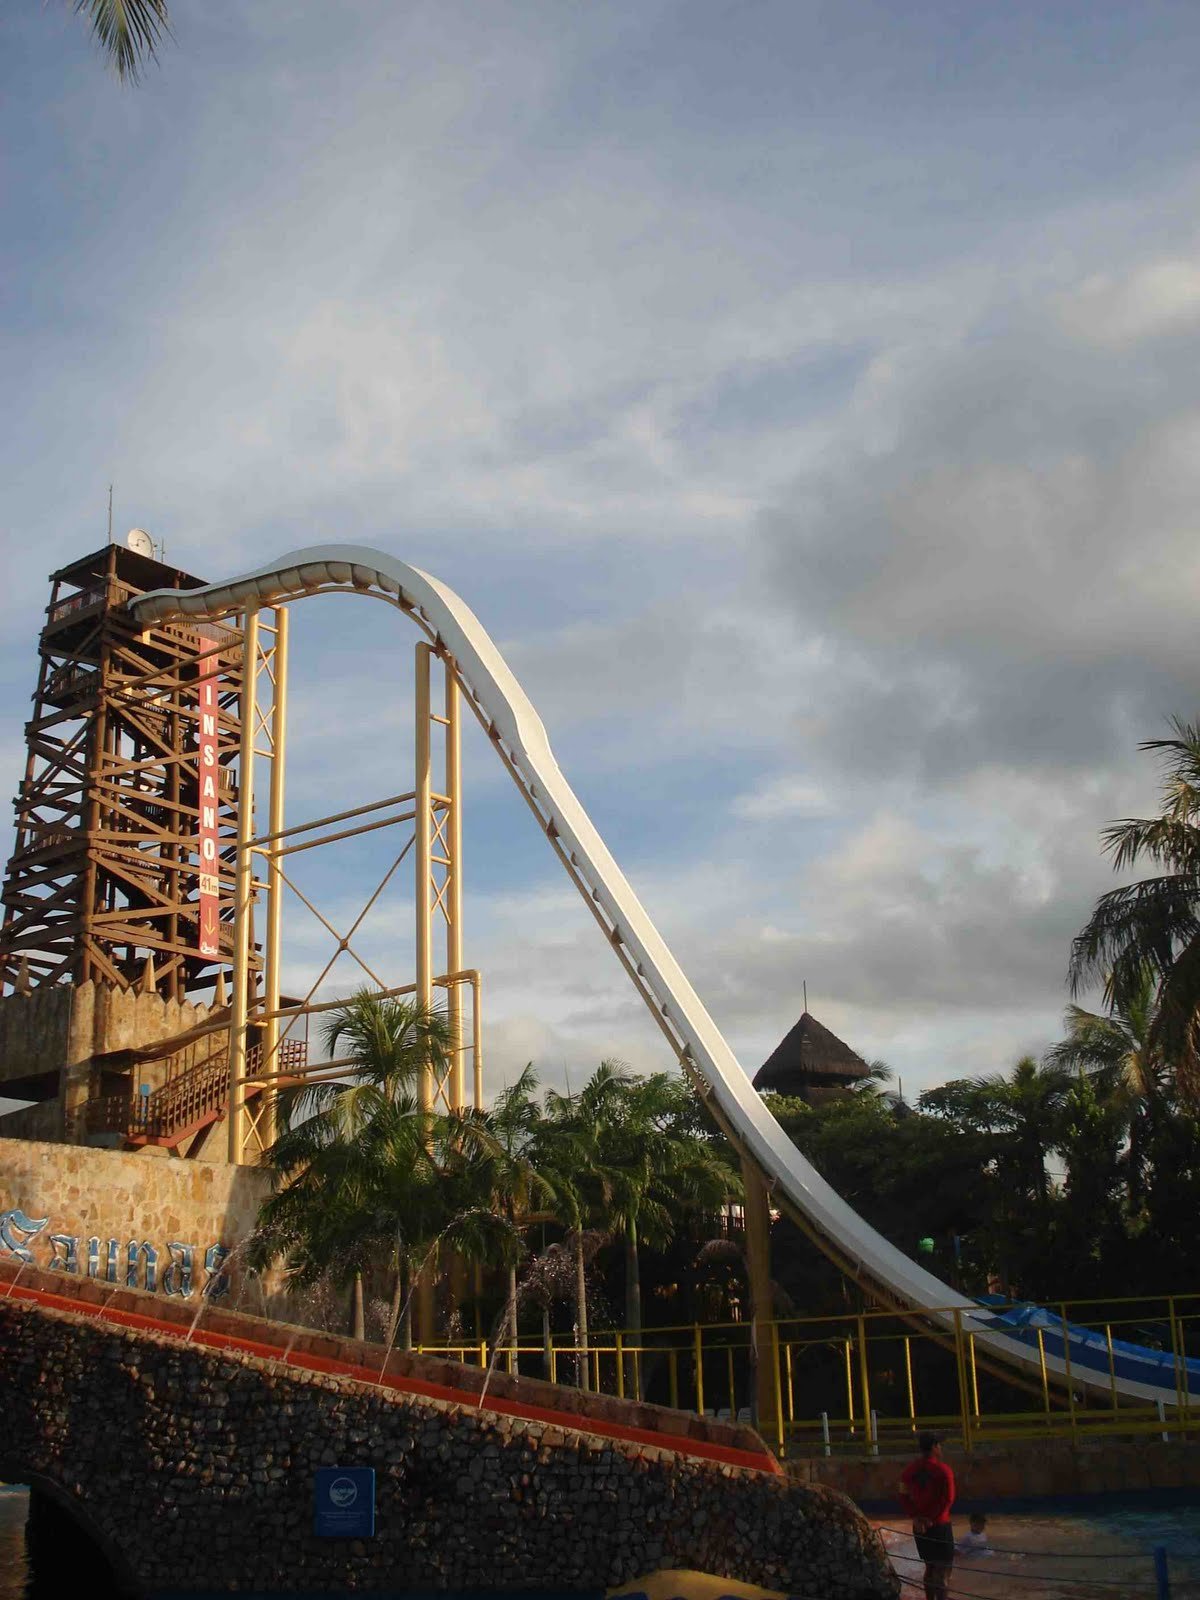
(866, 1383)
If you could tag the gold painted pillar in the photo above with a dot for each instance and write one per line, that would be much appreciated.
(267, 1126)
(424, 827)
(453, 838)
(243, 893)
(758, 1261)
(423, 807)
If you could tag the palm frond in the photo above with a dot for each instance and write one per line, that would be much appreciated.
(128, 31)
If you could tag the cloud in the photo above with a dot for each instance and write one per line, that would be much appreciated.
(1009, 578)
(1157, 298)
(783, 797)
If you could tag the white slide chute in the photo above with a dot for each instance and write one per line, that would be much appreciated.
(796, 1185)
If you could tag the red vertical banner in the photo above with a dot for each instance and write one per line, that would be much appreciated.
(210, 886)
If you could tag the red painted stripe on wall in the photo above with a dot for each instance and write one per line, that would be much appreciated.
(702, 1449)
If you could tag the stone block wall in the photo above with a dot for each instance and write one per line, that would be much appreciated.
(196, 1469)
(85, 1193)
(1030, 1469)
(61, 1028)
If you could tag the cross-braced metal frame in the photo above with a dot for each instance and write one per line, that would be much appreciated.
(260, 1026)
(102, 882)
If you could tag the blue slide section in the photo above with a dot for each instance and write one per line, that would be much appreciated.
(1087, 1349)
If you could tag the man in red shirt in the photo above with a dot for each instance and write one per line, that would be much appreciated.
(927, 1494)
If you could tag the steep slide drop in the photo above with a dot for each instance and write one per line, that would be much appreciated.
(516, 730)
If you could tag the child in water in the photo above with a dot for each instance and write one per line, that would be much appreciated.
(976, 1541)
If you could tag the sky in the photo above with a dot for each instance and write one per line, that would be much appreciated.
(805, 396)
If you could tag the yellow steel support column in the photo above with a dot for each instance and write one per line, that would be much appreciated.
(850, 1383)
(758, 1256)
(275, 826)
(960, 1364)
(424, 828)
(864, 1376)
(1045, 1374)
(453, 840)
(423, 820)
(477, 1039)
(1067, 1361)
(243, 894)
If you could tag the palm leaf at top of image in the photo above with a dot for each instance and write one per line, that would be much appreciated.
(128, 32)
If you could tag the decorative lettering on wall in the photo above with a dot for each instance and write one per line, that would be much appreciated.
(14, 1222)
(59, 1252)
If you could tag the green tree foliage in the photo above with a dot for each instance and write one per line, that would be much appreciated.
(1153, 925)
(128, 32)
(636, 1165)
(367, 1179)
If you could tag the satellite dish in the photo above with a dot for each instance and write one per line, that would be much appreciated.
(138, 539)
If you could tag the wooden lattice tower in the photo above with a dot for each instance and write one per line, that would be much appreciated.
(103, 881)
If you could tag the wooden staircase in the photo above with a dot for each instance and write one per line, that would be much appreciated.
(188, 1103)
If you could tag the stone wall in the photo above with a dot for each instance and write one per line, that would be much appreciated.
(85, 1193)
(1033, 1469)
(60, 1028)
(34, 1030)
(197, 1468)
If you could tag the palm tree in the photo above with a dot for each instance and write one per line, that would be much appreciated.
(567, 1159)
(367, 1176)
(128, 32)
(1121, 1045)
(513, 1126)
(660, 1170)
(1021, 1111)
(1122, 1053)
(1153, 926)
(645, 1167)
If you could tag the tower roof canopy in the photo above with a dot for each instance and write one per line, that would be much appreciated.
(809, 1055)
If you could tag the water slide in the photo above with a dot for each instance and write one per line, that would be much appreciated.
(514, 726)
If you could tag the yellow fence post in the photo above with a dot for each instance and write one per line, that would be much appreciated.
(1112, 1365)
(787, 1356)
(778, 1384)
(1045, 1373)
(864, 1375)
(974, 1372)
(674, 1370)
(1062, 1311)
(620, 1371)
(850, 1384)
(699, 1342)
(1183, 1363)
(960, 1361)
(912, 1394)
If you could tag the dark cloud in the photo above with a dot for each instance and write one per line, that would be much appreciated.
(1012, 578)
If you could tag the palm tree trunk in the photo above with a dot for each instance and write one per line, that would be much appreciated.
(633, 1308)
(397, 1292)
(406, 1316)
(511, 1319)
(397, 1302)
(360, 1321)
(581, 1322)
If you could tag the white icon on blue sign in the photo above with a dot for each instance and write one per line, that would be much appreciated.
(344, 1502)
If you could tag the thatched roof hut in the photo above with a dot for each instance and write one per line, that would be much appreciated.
(810, 1063)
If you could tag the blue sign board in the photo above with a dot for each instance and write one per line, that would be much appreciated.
(345, 1503)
